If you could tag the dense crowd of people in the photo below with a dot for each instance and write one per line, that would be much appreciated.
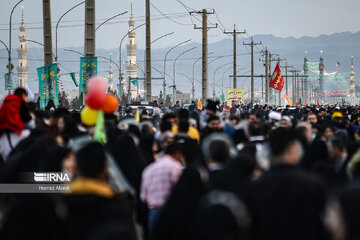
(240, 172)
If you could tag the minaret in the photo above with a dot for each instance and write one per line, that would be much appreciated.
(111, 78)
(131, 47)
(22, 67)
(352, 79)
(321, 74)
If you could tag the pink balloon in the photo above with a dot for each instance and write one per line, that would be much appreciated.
(96, 83)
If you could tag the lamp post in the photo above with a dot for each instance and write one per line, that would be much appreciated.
(215, 76)
(120, 14)
(10, 66)
(74, 51)
(57, 25)
(174, 66)
(216, 58)
(162, 36)
(39, 43)
(164, 81)
(192, 84)
(7, 49)
(222, 79)
(109, 59)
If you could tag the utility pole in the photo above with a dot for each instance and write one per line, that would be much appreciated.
(286, 78)
(252, 44)
(266, 65)
(295, 86)
(204, 28)
(89, 28)
(267, 94)
(89, 45)
(48, 54)
(148, 53)
(234, 33)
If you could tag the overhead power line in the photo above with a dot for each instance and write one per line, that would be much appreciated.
(183, 24)
(109, 23)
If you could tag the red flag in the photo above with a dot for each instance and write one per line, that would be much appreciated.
(317, 102)
(277, 80)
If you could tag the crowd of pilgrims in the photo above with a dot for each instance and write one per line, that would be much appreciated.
(245, 172)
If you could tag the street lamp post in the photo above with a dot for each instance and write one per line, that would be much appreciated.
(120, 14)
(39, 43)
(174, 65)
(222, 79)
(165, 35)
(74, 51)
(162, 36)
(215, 76)
(9, 49)
(109, 59)
(57, 25)
(192, 83)
(164, 81)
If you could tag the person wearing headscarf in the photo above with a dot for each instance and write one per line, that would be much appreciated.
(211, 110)
(218, 151)
(66, 127)
(177, 218)
(129, 159)
(287, 192)
(13, 116)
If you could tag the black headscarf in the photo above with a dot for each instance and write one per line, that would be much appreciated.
(177, 217)
(129, 160)
(52, 161)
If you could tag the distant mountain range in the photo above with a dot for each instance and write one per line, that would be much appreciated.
(338, 47)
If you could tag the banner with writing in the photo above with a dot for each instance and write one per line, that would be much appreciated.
(234, 95)
(88, 69)
(48, 85)
(9, 84)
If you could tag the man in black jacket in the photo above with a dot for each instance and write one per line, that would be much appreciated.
(95, 211)
(286, 202)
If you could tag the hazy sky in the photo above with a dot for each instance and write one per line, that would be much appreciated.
(278, 17)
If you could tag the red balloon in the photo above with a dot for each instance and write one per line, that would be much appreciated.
(95, 99)
(111, 104)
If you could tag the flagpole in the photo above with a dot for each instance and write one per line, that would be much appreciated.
(137, 90)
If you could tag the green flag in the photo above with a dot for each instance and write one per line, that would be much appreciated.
(100, 134)
(222, 97)
(134, 82)
(72, 74)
